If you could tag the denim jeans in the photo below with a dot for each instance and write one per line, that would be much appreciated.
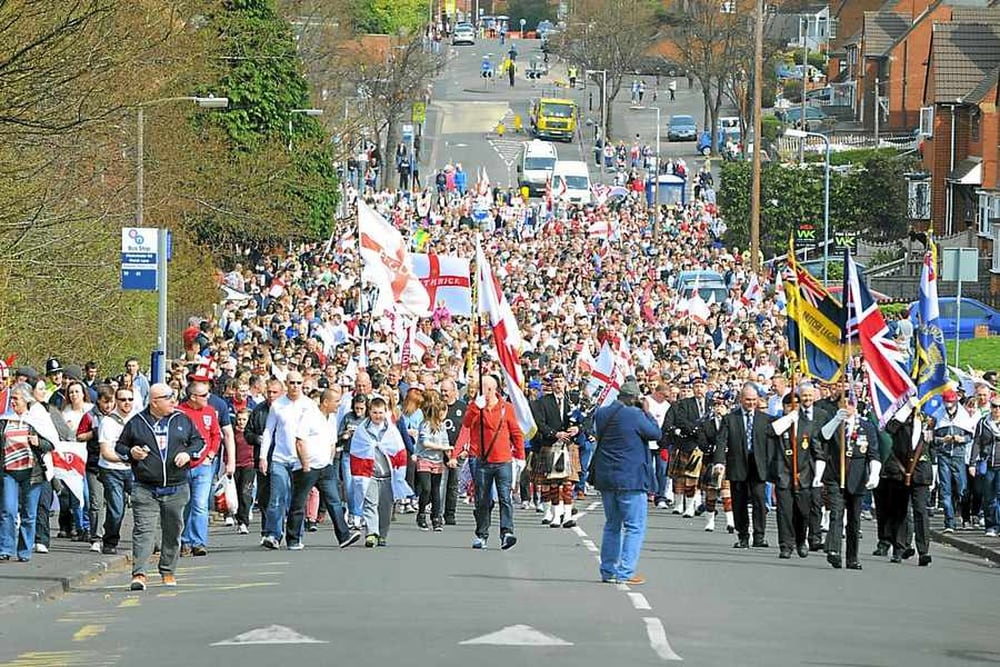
(117, 484)
(951, 484)
(280, 475)
(990, 485)
(20, 497)
(486, 474)
(329, 494)
(196, 512)
(624, 531)
(661, 482)
(354, 505)
(95, 504)
(587, 447)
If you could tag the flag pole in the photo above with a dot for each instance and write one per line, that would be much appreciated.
(362, 354)
(843, 373)
(479, 343)
(793, 434)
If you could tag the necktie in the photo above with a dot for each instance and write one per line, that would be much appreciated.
(749, 431)
(701, 409)
(809, 414)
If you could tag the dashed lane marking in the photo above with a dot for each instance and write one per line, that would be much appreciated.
(658, 639)
(129, 602)
(639, 601)
(589, 544)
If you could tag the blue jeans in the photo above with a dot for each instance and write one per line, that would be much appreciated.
(624, 532)
(117, 483)
(991, 497)
(661, 481)
(587, 447)
(486, 474)
(195, 532)
(20, 497)
(353, 504)
(951, 481)
(281, 498)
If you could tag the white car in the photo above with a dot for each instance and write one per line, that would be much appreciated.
(463, 35)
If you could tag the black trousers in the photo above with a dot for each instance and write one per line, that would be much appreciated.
(885, 538)
(816, 515)
(244, 478)
(899, 499)
(450, 492)
(752, 490)
(840, 502)
(793, 516)
(429, 491)
(263, 499)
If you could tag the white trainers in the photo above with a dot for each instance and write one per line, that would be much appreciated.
(229, 521)
(41, 549)
(243, 529)
(710, 524)
(95, 547)
(662, 505)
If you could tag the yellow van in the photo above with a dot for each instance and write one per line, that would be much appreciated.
(553, 118)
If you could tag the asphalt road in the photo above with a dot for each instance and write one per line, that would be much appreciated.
(423, 599)
(464, 112)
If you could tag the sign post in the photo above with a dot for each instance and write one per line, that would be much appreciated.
(145, 251)
(408, 138)
(959, 264)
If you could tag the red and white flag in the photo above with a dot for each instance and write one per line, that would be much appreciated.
(606, 378)
(68, 462)
(388, 264)
(753, 292)
(447, 280)
(506, 337)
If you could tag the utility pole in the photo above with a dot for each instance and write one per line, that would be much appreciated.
(803, 124)
(758, 57)
(876, 109)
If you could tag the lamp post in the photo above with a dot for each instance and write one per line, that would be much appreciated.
(209, 102)
(802, 134)
(656, 173)
(604, 112)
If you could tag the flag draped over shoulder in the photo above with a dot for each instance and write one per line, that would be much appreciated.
(363, 445)
(388, 264)
(930, 371)
(506, 337)
(68, 462)
(813, 324)
(889, 385)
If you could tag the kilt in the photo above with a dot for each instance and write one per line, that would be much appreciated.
(542, 462)
(685, 464)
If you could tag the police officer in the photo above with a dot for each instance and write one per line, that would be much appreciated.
(853, 440)
(572, 77)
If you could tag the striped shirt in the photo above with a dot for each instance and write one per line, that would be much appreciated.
(17, 454)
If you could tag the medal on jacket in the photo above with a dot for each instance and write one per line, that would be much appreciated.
(805, 442)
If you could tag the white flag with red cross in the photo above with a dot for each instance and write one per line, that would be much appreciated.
(606, 378)
(447, 280)
(388, 264)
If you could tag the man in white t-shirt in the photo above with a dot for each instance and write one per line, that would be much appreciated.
(657, 404)
(116, 475)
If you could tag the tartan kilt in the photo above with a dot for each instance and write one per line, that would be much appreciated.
(542, 462)
(681, 465)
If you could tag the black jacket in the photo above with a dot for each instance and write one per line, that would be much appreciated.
(254, 429)
(731, 448)
(683, 426)
(861, 450)
(154, 470)
(809, 450)
(548, 419)
(902, 455)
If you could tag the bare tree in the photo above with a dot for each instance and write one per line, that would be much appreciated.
(610, 35)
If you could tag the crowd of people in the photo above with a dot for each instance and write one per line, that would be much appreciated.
(296, 401)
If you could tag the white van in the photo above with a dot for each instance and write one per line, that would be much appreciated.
(538, 159)
(571, 181)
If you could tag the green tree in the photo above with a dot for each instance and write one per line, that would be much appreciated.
(532, 11)
(390, 17)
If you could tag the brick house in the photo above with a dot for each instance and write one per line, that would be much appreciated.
(963, 132)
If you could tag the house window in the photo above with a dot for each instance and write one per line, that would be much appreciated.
(927, 121)
(996, 247)
(983, 219)
(919, 199)
(974, 124)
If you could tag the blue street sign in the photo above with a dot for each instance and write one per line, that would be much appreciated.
(139, 279)
(142, 258)
(170, 245)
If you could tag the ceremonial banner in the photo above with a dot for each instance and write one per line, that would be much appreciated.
(814, 323)
(388, 264)
(930, 372)
(446, 280)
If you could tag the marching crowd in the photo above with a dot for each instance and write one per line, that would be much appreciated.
(296, 405)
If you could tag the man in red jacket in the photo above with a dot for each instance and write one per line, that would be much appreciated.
(495, 439)
(194, 540)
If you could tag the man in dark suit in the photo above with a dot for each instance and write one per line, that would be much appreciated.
(743, 451)
(683, 430)
(795, 492)
(812, 416)
(552, 417)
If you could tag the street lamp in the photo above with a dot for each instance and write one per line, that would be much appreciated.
(604, 112)
(209, 102)
(304, 112)
(656, 173)
(801, 135)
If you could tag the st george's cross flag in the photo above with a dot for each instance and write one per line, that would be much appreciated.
(446, 280)
(506, 338)
(606, 378)
(388, 265)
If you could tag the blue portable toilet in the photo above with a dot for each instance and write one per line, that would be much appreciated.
(673, 190)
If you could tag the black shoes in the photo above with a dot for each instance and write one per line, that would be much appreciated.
(925, 560)
(834, 560)
(422, 522)
(785, 554)
(742, 544)
(815, 546)
(909, 553)
(508, 541)
(882, 550)
(569, 523)
(854, 566)
(109, 550)
(896, 558)
(760, 544)
(802, 550)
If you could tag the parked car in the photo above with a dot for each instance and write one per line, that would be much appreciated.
(711, 285)
(822, 95)
(543, 28)
(681, 128)
(463, 34)
(973, 313)
(815, 118)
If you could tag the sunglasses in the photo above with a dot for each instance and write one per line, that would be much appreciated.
(294, 382)
(124, 399)
(162, 397)
(199, 395)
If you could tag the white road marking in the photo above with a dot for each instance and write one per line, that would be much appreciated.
(623, 587)
(580, 515)
(517, 635)
(272, 634)
(590, 545)
(658, 639)
(593, 505)
(579, 531)
(639, 601)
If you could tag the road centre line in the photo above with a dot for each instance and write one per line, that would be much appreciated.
(658, 639)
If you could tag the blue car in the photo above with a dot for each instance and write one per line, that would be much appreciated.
(973, 314)
(682, 128)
